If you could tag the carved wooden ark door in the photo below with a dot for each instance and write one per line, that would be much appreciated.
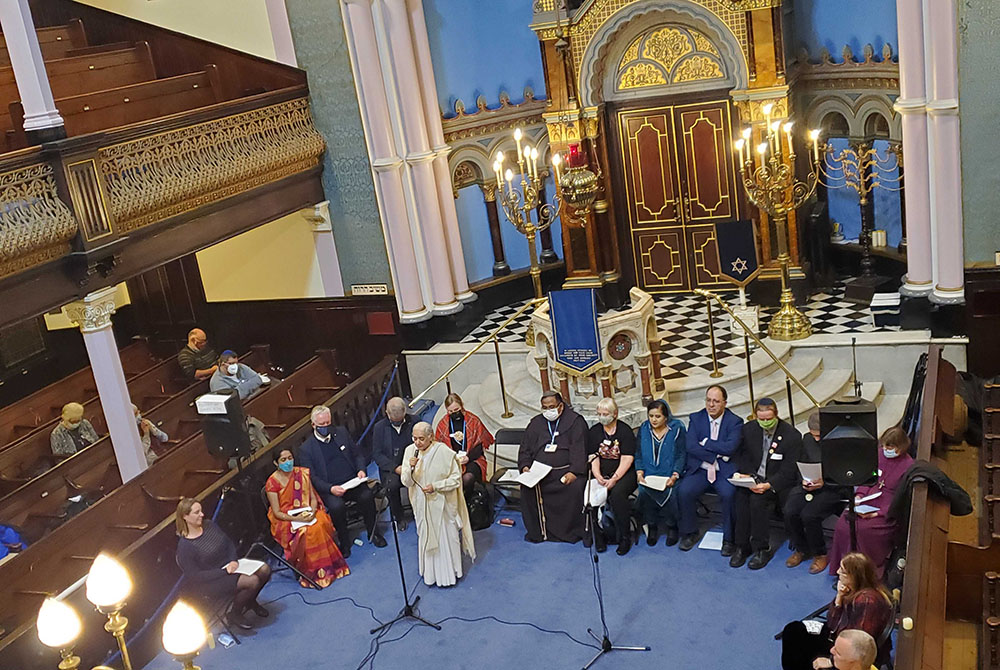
(678, 169)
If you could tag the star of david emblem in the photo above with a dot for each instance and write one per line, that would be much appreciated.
(739, 266)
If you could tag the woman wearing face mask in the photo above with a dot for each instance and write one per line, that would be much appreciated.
(312, 549)
(661, 453)
(874, 530)
(465, 433)
(614, 444)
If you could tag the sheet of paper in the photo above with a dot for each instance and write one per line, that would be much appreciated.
(811, 472)
(299, 510)
(742, 482)
(656, 482)
(712, 541)
(353, 483)
(865, 509)
(868, 498)
(301, 524)
(530, 478)
(248, 566)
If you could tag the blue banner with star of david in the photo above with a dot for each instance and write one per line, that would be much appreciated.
(577, 346)
(737, 245)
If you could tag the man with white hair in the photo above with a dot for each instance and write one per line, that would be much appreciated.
(433, 476)
(852, 650)
(390, 437)
(333, 460)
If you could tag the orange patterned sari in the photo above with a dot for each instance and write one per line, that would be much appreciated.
(311, 549)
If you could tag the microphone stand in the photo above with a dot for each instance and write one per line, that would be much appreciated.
(591, 529)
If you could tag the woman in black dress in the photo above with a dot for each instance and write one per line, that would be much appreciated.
(614, 443)
(208, 559)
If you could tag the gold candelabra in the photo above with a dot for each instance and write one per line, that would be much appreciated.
(522, 204)
(862, 170)
(108, 586)
(771, 185)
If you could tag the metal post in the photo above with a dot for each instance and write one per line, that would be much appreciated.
(746, 348)
(447, 385)
(503, 390)
(715, 374)
(791, 410)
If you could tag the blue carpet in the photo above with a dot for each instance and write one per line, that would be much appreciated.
(691, 608)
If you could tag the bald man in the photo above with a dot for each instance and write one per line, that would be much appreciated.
(197, 359)
(852, 650)
(390, 437)
(72, 433)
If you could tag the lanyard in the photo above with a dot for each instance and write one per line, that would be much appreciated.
(461, 442)
(553, 430)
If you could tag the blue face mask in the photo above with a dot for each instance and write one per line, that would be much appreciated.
(286, 466)
(889, 453)
(323, 431)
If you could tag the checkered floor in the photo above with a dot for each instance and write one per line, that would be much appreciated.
(684, 327)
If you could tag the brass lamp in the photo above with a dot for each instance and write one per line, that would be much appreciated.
(58, 627)
(578, 187)
(184, 634)
(108, 585)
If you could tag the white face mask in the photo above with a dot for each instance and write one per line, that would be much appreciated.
(605, 419)
(233, 368)
(551, 414)
(890, 453)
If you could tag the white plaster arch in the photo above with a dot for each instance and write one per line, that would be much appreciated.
(471, 153)
(610, 41)
(877, 104)
(820, 107)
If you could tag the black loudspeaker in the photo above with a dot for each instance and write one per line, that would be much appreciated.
(849, 441)
(224, 424)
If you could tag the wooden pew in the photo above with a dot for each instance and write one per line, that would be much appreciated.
(112, 108)
(55, 41)
(43, 406)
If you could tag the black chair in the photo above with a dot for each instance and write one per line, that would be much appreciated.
(216, 608)
(510, 492)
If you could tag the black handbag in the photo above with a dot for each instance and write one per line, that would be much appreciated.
(480, 507)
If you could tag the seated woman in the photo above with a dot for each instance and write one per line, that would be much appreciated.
(661, 453)
(861, 603)
(465, 433)
(208, 559)
(875, 531)
(614, 443)
(311, 549)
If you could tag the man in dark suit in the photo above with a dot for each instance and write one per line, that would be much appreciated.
(713, 437)
(390, 437)
(333, 459)
(769, 454)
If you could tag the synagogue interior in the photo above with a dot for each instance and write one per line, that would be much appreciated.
(539, 333)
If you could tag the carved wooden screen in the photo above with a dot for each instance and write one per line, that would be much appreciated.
(679, 182)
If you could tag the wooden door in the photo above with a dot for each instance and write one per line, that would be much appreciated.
(679, 181)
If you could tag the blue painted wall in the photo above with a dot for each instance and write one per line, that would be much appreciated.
(844, 208)
(482, 47)
(834, 23)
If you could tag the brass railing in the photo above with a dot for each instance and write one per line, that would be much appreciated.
(496, 347)
(748, 332)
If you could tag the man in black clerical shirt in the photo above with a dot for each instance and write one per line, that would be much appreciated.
(390, 438)
(333, 460)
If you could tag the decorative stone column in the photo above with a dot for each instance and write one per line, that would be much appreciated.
(946, 149)
(563, 385)
(643, 363)
(93, 316)
(326, 249)
(386, 163)
(605, 376)
(543, 372)
(442, 173)
(654, 352)
(912, 106)
(500, 266)
(42, 122)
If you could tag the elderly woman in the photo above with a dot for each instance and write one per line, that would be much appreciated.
(465, 433)
(310, 548)
(875, 530)
(661, 454)
(614, 444)
(72, 433)
(208, 559)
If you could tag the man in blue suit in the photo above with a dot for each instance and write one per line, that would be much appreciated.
(713, 436)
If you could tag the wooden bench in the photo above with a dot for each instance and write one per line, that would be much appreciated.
(116, 107)
(55, 41)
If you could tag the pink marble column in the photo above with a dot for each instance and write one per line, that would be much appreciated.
(946, 171)
(93, 316)
(41, 118)
(442, 173)
(912, 107)
(386, 163)
(419, 156)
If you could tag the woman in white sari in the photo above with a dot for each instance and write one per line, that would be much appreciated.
(432, 475)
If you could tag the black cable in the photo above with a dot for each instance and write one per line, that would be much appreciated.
(349, 599)
(521, 623)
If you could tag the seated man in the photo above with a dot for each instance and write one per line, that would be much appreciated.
(197, 359)
(147, 431)
(390, 438)
(553, 509)
(71, 434)
(231, 374)
(852, 650)
(769, 453)
(809, 505)
(333, 459)
(713, 436)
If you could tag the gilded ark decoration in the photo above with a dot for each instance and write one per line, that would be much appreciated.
(620, 346)
(35, 225)
(750, 5)
(152, 178)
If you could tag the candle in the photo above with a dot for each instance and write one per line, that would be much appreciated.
(509, 176)
(814, 136)
(556, 162)
(534, 162)
(517, 139)
(767, 109)
(738, 145)
(788, 136)
(496, 168)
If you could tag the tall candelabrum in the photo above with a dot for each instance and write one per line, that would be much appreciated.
(521, 197)
(863, 170)
(771, 185)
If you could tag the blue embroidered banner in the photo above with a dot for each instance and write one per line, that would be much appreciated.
(574, 328)
(737, 251)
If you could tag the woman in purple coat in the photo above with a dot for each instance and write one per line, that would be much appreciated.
(875, 531)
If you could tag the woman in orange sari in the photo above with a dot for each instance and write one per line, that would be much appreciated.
(311, 549)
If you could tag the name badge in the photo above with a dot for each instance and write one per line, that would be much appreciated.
(606, 443)
(343, 446)
(777, 457)
(549, 448)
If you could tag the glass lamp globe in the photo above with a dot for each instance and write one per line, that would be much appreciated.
(58, 624)
(183, 630)
(108, 582)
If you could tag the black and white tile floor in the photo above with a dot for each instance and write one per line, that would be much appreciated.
(683, 321)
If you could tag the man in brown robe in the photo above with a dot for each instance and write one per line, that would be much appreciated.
(553, 509)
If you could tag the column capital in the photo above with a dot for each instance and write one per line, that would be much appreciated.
(318, 217)
(489, 192)
(93, 313)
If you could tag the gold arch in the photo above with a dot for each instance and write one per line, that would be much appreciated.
(668, 54)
